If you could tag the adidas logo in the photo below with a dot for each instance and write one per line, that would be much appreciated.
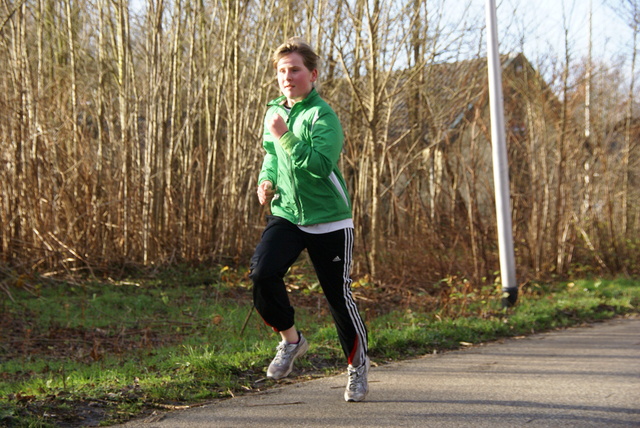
(337, 259)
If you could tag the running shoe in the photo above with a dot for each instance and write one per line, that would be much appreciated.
(286, 353)
(357, 385)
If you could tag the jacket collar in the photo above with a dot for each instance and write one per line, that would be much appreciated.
(281, 99)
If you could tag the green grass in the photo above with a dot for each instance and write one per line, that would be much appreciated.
(112, 350)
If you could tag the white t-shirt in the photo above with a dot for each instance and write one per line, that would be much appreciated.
(328, 227)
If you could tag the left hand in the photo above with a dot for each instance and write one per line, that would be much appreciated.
(277, 126)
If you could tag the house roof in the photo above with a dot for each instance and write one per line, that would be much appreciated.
(456, 91)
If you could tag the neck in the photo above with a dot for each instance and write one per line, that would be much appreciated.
(291, 102)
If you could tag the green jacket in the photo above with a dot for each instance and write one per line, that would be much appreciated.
(303, 164)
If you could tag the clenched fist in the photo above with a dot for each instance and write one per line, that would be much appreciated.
(277, 126)
(265, 192)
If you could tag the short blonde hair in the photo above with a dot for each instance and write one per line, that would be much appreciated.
(300, 46)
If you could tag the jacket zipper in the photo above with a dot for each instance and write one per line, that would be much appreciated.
(293, 176)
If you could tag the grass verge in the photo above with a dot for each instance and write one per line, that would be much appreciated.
(98, 353)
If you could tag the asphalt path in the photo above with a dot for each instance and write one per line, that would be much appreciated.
(587, 376)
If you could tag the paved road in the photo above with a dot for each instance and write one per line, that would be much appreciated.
(579, 377)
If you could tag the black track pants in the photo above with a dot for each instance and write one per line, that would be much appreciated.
(331, 255)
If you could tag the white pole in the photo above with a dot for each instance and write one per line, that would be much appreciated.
(500, 163)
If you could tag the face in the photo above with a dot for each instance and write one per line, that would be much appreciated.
(294, 78)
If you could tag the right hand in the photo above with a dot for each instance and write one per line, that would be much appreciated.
(277, 126)
(265, 192)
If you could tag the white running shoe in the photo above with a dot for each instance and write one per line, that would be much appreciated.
(357, 385)
(286, 354)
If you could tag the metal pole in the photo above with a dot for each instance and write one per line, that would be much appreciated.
(500, 163)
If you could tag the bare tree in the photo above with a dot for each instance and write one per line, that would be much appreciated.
(631, 9)
(134, 135)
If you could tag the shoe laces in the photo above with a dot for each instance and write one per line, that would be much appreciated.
(283, 352)
(356, 378)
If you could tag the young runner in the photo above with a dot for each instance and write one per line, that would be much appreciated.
(310, 208)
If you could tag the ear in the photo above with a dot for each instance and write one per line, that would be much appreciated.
(314, 75)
